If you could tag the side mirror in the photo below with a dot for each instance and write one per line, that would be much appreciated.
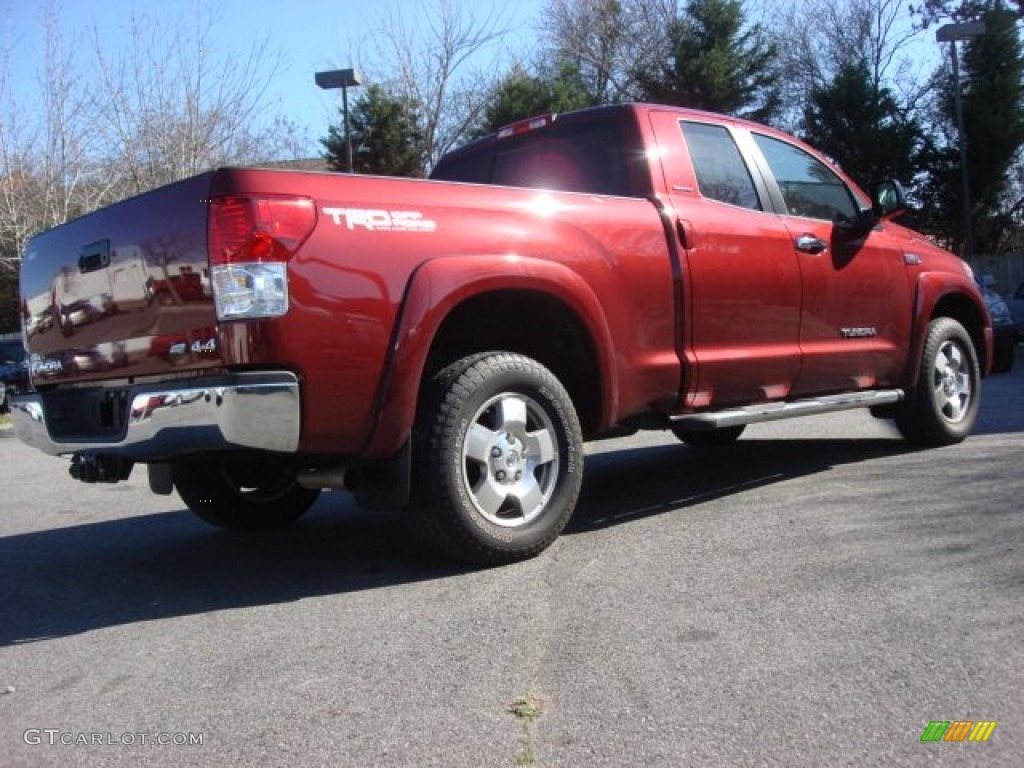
(889, 200)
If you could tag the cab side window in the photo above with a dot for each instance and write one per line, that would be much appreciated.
(721, 173)
(809, 187)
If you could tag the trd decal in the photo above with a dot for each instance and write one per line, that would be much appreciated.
(381, 221)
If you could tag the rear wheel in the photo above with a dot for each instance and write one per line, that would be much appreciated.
(945, 404)
(243, 493)
(498, 459)
(716, 438)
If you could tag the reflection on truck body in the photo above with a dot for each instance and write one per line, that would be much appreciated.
(104, 283)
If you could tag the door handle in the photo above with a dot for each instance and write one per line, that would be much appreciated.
(811, 244)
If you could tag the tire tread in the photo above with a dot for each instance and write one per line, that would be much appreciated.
(918, 420)
(437, 426)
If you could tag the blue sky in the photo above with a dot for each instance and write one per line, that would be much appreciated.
(311, 35)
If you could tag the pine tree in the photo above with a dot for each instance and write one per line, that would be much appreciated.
(386, 137)
(521, 95)
(715, 62)
(863, 128)
(993, 120)
(991, 73)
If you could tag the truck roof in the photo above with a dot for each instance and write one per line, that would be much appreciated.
(598, 150)
(631, 110)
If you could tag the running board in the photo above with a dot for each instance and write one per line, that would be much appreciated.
(753, 414)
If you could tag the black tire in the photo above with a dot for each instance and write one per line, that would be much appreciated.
(498, 459)
(243, 493)
(943, 408)
(716, 438)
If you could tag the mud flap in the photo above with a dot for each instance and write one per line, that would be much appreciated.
(161, 479)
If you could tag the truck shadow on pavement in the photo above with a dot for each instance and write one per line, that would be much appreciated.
(635, 483)
(82, 577)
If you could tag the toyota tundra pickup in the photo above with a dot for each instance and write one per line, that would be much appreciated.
(447, 345)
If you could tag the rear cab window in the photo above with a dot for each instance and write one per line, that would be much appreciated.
(721, 172)
(590, 156)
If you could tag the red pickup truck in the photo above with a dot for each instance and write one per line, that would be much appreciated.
(447, 345)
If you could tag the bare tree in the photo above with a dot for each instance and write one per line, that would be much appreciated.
(433, 58)
(18, 184)
(100, 127)
(173, 105)
(44, 153)
(66, 164)
(823, 37)
(14, 166)
(590, 35)
(607, 40)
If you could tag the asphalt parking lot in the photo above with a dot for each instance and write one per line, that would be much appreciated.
(813, 596)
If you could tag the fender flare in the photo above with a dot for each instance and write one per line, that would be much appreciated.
(930, 289)
(440, 285)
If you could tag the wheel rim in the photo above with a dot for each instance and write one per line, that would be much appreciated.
(510, 460)
(952, 381)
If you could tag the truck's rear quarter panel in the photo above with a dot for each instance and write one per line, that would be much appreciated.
(348, 281)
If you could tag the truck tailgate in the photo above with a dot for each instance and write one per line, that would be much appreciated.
(124, 291)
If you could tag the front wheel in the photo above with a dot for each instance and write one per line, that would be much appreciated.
(245, 493)
(945, 404)
(498, 459)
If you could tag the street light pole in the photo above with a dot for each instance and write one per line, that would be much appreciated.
(950, 33)
(348, 132)
(344, 79)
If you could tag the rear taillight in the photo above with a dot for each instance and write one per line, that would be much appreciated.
(251, 240)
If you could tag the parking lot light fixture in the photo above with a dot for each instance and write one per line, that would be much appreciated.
(344, 79)
(950, 33)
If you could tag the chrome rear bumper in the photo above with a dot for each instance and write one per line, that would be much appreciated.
(242, 410)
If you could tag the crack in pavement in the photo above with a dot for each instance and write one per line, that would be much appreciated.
(528, 707)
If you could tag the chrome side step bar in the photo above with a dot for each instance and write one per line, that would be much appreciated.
(753, 414)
